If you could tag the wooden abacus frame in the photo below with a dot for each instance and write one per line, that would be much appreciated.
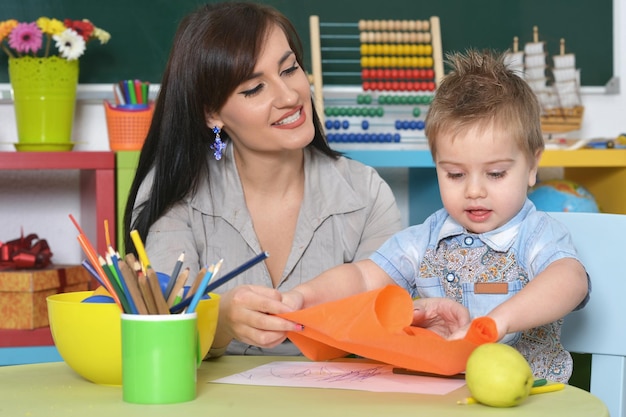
(316, 49)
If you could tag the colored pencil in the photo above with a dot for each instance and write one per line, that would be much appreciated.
(115, 283)
(174, 276)
(130, 277)
(146, 292)
(215, 284)
(196, 283)
(541, 389)
(93, 259)
(107, 235)
(141, 250)
(179, 296)
(178, 287)
(92, 271)
(114, 260)
(213, 270)
(159, 300)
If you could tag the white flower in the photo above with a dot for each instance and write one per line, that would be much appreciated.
(71, 45)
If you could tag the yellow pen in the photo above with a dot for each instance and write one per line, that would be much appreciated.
(141, 251)
(534, 390)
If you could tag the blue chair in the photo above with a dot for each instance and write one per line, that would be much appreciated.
(600, 328)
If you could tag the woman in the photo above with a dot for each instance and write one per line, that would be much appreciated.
(236, 163)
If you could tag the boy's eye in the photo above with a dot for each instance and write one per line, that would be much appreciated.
(497, 174)
(454, 175)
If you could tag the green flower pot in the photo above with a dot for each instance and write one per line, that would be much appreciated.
(44, 95)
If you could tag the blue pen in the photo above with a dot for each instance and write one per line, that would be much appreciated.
(203, 284)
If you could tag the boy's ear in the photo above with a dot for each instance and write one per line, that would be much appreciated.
(532, 180)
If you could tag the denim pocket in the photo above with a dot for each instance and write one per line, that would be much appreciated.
(481, 304)
(429, 287)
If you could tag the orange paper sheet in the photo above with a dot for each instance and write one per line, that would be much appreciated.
(377, 325)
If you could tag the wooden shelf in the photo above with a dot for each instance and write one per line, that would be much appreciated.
(584, 158)
(97, 184)
(416, 156)
(57, 160)
(34, 337)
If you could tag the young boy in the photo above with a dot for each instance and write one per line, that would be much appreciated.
(489, 250)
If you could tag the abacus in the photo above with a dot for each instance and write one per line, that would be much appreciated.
(373, 80)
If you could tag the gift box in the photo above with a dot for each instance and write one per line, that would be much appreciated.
(23, 293)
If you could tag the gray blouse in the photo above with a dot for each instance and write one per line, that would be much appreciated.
(348, 211)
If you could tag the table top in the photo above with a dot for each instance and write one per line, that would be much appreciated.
(53, 389)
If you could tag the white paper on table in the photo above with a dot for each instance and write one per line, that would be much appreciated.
(342, 375)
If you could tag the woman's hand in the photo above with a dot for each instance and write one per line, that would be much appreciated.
(443, 316)
(247, 313)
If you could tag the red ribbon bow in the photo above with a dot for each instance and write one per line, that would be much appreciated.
(28, 252)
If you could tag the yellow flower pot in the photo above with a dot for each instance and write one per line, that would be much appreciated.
(44, 95)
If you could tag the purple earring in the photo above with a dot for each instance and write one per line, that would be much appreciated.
(218, 146)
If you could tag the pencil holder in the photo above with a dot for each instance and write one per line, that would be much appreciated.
(127, 126)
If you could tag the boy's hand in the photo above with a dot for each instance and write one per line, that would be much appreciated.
(441, 315)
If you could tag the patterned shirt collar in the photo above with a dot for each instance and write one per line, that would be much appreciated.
(500, 239)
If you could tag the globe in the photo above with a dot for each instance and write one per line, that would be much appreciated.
(562, 195)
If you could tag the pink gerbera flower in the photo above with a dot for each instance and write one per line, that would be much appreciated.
(25, 37)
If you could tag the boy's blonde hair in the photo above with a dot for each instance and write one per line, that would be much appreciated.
(481, 91)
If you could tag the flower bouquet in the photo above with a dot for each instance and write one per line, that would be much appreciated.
(44, 79)
(70, 37)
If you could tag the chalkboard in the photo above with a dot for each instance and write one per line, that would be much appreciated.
(142, 30)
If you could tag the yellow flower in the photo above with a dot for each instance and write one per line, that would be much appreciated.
(6, 27)
(102, 35)
(50, 26)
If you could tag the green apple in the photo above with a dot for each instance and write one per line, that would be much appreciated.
(498, 375)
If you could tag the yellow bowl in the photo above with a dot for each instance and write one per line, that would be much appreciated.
(88, 335)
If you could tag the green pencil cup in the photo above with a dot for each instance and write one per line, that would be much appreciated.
(160, 357)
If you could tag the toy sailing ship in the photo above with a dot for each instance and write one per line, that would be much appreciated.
(557, 87)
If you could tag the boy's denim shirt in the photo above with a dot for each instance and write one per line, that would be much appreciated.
(439, 258)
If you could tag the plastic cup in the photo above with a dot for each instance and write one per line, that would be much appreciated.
(159, 358)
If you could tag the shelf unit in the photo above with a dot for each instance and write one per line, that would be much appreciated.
(97, 184)
(97, 203)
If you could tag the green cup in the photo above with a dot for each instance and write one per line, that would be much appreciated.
(159, 358)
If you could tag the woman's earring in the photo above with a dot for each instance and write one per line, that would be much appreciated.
(218, 146)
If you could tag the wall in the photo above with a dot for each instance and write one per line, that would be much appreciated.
(142, 29)
(21, 204)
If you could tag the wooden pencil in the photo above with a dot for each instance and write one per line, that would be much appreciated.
(178, 286)
(130, 260)
(146, 292)
(133, 287)
(159, 299)
(174, 276)
(196, 283)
